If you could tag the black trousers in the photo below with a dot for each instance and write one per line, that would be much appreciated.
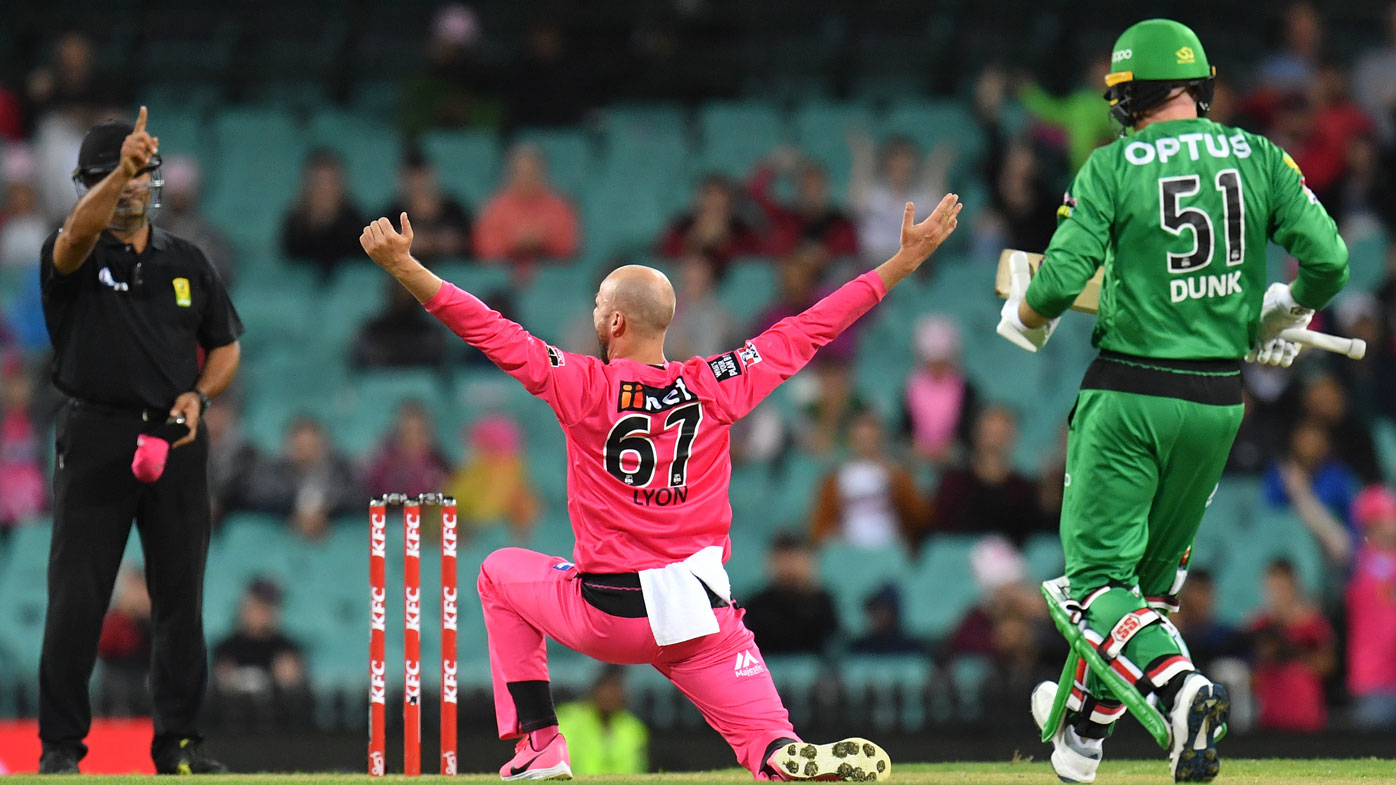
(96, 497)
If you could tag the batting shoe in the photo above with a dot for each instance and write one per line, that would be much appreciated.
(1199, 710)
(850, 760)
(1072, 760)
(549, 763)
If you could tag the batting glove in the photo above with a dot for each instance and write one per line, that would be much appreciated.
(1277, 351)
(1011, 324)
(1029, 338)
(1279, 311)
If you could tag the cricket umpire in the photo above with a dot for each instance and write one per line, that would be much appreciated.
(143, 333)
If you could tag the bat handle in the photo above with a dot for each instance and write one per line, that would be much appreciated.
(1353, 348)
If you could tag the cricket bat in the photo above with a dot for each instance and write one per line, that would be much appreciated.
(1088, 301)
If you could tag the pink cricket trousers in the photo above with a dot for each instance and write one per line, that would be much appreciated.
(527, 596)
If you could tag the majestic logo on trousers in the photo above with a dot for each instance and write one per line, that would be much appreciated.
(377, 682)
(448, 681)
(414, 536)
(748, 665)
(414, 609)
(448, 608)
(378, 609)
(414, 682)
(379, 534)
(448, 535)
(376, 764)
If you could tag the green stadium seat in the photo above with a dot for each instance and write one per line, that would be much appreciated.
(967, 675)
(355, 294)
(893, 685)
(1273, 533)
(1384, 434)
(467, 162)
(821, 130)
(932, 123)
(260, 153)
(854, 574)
(372, 151)
(623, 214)
(362, 412)
(1043, 553)
(1367, 263)
(940, 588)
(738, 134)
(750, 286)
(570, 156)
(24, 587)
(793, 497)
(648, 138)
(481, 280)
(558, 297)
(746, 566)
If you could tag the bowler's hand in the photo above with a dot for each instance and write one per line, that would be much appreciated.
(390, 249)
(138, 148)
(187, 405)
(921, 240)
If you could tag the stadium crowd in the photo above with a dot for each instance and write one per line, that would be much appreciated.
(942, 462)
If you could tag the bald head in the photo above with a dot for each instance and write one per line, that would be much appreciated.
(643, 295)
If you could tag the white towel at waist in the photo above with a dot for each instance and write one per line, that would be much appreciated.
(675, 600)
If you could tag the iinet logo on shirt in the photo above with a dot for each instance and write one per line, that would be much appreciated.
(748, 665)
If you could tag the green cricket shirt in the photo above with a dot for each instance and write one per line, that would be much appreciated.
(1179, 215)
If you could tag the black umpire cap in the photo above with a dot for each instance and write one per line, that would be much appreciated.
(100, 153)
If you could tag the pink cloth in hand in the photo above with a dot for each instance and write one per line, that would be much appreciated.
(149, 462)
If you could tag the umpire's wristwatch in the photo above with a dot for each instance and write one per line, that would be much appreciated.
(204, 400)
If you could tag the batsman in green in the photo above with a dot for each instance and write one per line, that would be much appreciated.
(1178, 212)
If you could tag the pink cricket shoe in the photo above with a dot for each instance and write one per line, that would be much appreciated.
(549, 763)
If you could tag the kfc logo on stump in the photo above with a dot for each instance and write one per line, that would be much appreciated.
(414, 682)
(378, 608)
(448, 608)
(414, 536)
(378, 536)
(414, 609)
(448, 681)
(448, 534)
(377, 682)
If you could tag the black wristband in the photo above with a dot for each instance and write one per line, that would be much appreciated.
(204, 401)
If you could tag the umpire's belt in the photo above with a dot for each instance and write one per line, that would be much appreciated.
(1212, 382)
(619, 594)
(107, 410)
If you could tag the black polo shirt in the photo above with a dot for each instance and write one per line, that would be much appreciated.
(126, 327)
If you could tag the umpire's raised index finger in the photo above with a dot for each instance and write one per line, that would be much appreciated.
(140, 121)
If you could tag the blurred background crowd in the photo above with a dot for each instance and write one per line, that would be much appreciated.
(759, 153)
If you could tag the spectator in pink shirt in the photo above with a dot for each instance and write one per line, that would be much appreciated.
(527, 221)
(940, 401)
(25, 489)
(1371, 606)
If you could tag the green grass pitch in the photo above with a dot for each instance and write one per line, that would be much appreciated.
(1153, 772)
